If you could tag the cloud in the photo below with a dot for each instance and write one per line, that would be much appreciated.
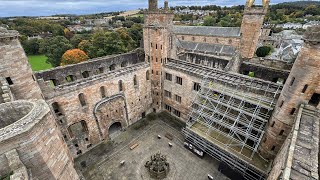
(51, 7)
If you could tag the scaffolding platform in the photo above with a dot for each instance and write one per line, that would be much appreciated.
(228, 120)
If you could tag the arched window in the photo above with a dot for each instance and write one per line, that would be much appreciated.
(124, 64)
(82, 100)
(102, 92)
(70, 78)
(112, 67)
(120, 85)
(85, 74)
(54, 82)
(135, 82)
(147, 75)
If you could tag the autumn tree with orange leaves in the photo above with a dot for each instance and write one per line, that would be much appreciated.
(73, 56)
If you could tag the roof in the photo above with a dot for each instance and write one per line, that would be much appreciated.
(207, 31)
(207, 48)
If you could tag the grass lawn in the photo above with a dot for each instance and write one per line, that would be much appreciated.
(137, 15)
(38, 62)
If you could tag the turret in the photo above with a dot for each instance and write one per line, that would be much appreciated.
(301, 87)
(153, 5)
(15, 68)
(251, 25)
(157, 33)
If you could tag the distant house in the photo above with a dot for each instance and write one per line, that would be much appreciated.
(290, 26)
(311, 23)
(80, 28)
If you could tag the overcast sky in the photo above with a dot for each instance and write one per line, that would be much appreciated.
(52, 7)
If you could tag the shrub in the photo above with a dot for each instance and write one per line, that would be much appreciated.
(263, 51)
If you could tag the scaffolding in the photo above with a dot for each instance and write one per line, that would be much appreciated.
(228, 120)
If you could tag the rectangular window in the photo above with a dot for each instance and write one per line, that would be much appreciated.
(305, 88)
(196, 86)
(168, 107)
(168, 77)
(292, 81)
(178, 98)
(281, 104)
(9, 80)
(167, 94)
(292, 111)
(179, 80)
(176, 112)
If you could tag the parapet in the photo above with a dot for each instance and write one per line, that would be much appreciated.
(4, 33)
(20, 116)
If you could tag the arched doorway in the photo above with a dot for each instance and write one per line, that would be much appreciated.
(114, 130)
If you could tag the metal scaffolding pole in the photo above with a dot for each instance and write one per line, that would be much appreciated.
(234, 115)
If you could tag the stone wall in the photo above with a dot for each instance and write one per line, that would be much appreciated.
(251, 25)
(100, 107)
(207, 60)
(37, 141)
(265, 72)
(185, 91)
(303, 82)
(78, 72)
(231, 41)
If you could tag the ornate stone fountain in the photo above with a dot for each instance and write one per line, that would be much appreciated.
(158, 167)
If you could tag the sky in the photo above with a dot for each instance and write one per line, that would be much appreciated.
(52, 7)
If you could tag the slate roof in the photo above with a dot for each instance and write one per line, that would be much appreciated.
(207, 31)
(207, 48)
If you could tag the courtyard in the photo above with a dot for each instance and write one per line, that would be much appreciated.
(104, 160)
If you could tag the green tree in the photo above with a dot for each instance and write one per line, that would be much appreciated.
(209, 21)
(263, 51)
(31, 47)
(54, 48)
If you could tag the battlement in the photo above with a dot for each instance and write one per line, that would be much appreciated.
(50, 91)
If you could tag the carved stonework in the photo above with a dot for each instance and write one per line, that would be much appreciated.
(158, 167)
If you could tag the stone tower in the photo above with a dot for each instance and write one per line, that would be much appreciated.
(157, 35)
(251, 25)
(15, 69)
(301, 87)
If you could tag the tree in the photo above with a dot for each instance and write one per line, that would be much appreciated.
(32, 46)
(87, 47)
(136, 33)
(73, 56)
(263, 51)
(54, 48)
(209, 21)
(128, 42)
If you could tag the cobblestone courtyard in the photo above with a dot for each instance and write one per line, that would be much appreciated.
(103, 162)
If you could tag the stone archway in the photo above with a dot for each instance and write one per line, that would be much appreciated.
(110, 111)
(114, 130)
